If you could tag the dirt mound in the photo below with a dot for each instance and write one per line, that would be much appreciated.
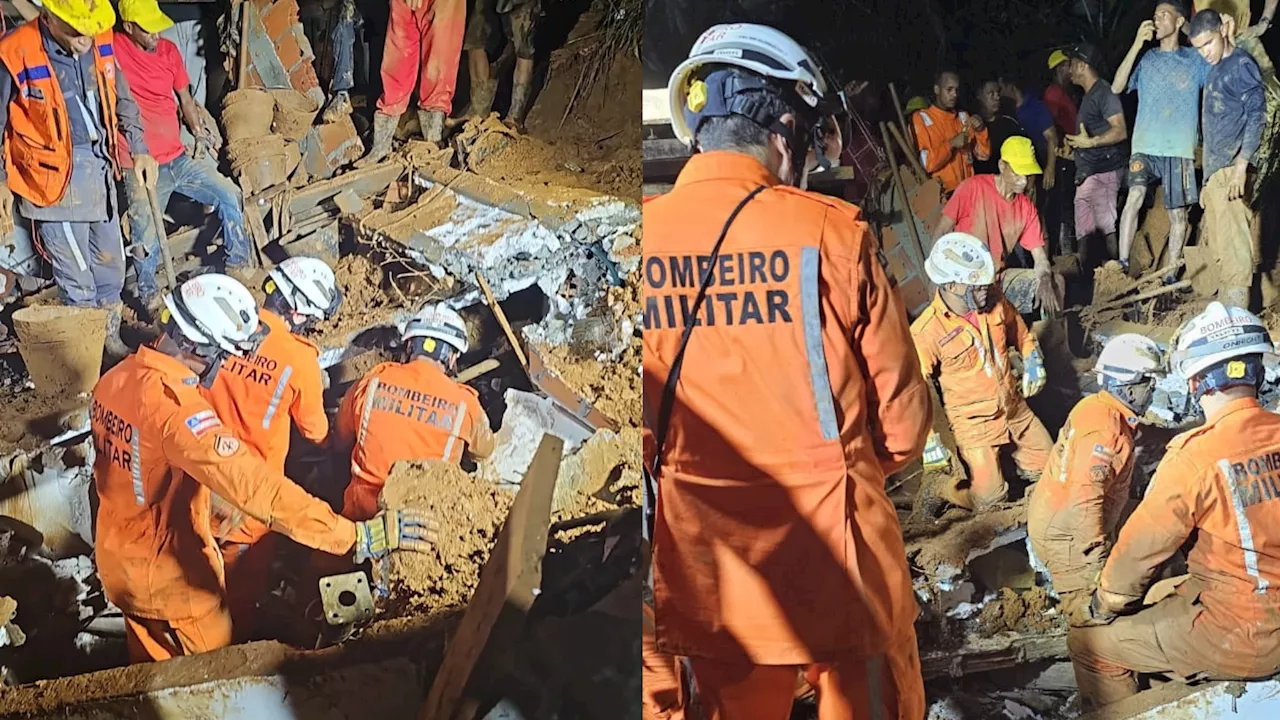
(470, 512)
(949, 541)
(1109, 282)
(1017, 613)
(606, 466)
(365, 300)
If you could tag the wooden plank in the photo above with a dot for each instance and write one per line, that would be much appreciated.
(507, 583)
(365, 182)
(988, 654)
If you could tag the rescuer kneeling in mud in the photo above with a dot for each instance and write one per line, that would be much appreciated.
(1076, 506)
(161, 449)
(259, 398)
(412, 410)
(1214, 493)
(963, 339)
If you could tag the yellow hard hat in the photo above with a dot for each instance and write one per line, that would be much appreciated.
(1056, 58)
(1021, 156)
(916, 103)
(87, 17)
(146, 14)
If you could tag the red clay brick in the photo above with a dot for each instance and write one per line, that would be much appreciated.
(280, 18)
(289, 53)
(303, 78)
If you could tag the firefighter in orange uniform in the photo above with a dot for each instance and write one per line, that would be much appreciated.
(1075, 508)
(160, 451)
(947, 138)
(796, 396)
(411, 411)
(256, 397)
(963, 339)
(1214, 492)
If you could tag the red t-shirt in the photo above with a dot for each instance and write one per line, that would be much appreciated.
(980, 210)
(153, 79)
(1063, 109)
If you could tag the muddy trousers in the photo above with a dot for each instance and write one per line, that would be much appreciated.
(1031, 447)
(1228, 226)
(885, 686)
(87, 259)
(155, 640)
(1163, 638)
(663, 697)
(423, 48)
(248, 569)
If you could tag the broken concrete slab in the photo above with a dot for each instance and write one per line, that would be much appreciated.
(1238, 700)
(527, 418)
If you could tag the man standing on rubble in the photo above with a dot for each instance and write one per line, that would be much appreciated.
(412, 410)
(518, 19)
(256, 396)
(62, 104)
(1060, 205)
(1075, 508)
(423, 49)
(1099, 152)
(1168, 80)
(154, 69)
(963, 339)
(996, 210)
(1232, 116)
(948, 139)
(1214, 489)
(773, 419)
(160, 450)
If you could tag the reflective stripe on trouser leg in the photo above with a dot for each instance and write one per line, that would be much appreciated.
(811, 322)
(106, 247)
(1242, 523)
(70, 271)
(69, 235)
(281, 384)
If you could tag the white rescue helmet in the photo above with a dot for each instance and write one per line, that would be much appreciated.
(759, 49)
(959, 257)
(1128, 358)
(1218, 334)
(216, 311)
(440, 322)
(308, 286)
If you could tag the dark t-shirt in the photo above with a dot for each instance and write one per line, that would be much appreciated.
(1099, 104)
(1035, 119)
(999, 129)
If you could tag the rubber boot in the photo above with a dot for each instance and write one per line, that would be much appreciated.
(482, 93)
(384, 131)
(1234, 296)
(432, 123)
(520, 95)
(339, 107)
(112, 344)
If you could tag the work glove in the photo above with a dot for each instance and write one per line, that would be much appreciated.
(1096, 614)
(392, 530)
(1033, 376)
(935, 453)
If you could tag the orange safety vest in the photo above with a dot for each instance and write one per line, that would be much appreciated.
(37, 140)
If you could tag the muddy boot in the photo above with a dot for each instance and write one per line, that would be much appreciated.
(339, 107)
(113, 346)
(432, 123)
(520, 95)
(153, 306)
(1234, 296)
(482, 93)
(1113, 246)
(384, 131)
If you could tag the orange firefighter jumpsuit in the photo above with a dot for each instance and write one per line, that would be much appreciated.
(981, 394)
(776, 548)
(255, 397)
(934, 128)
(1219, 486)
(160, 450)
(1076, 506)
(405, 411)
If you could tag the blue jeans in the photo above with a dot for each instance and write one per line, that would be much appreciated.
(200, 181)
(344, 46)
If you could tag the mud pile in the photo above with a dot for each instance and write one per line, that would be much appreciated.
(1011, 611)
(365, 300)
(470, 512)
(603, 474)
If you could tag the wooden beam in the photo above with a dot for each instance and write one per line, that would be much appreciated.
(365, 182)
(985, 654)
(507, 584)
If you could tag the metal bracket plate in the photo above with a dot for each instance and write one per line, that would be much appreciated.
(346, 598)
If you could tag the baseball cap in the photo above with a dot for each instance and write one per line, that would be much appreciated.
(146, 14)
(1088, 53)
(1021, 156)
(1056, 58)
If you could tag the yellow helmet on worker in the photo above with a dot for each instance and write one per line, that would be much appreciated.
(146, 14)
(87, 17)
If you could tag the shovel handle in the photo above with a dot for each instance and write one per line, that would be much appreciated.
(157, 219)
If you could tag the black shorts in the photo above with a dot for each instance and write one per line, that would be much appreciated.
(1178, 175)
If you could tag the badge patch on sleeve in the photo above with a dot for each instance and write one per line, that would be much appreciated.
(1102, 453)
(202, 422)
(225, 445)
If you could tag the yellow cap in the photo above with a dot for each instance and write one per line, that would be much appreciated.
(1056, 58)
(917, 103)
(146, 14)
(87, 17)
(1021, 156)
